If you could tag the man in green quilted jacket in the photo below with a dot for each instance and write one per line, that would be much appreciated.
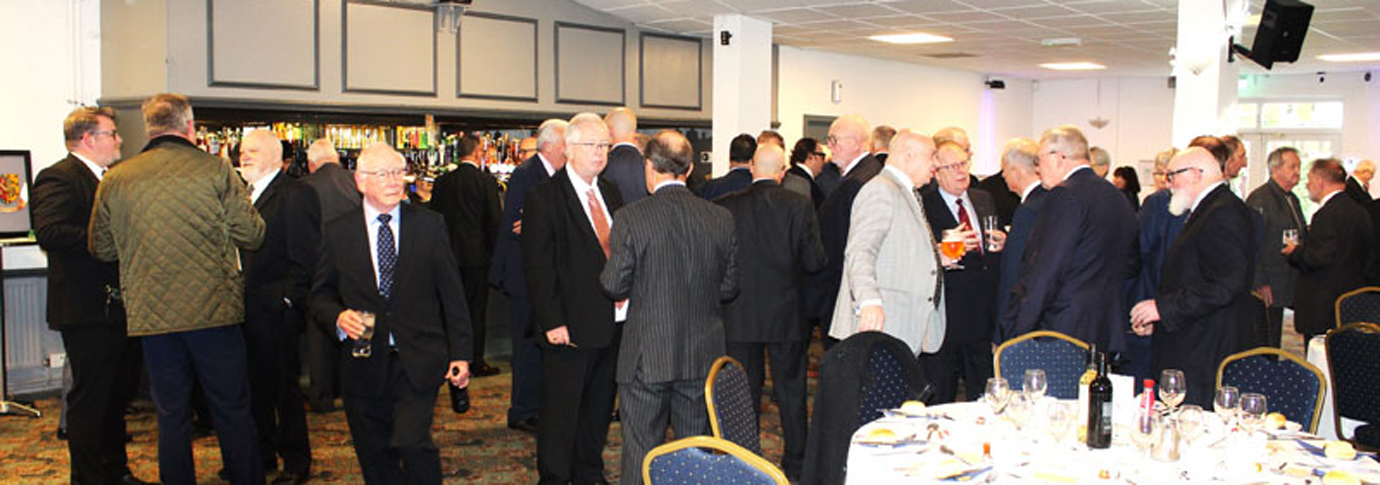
(174, 217)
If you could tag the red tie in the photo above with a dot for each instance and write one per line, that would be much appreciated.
(601, 224)
(965, 221)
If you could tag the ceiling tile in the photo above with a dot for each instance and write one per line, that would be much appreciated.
(794, 16)
(963, 16)
(1344, 29)
(898, 21)
(1141, 17)
(996, 4)
(1111, 6)
(1070, 21)
(928, 6)
(1322, 16)
(705, 10)
(1035, 12)
(643, 13)
(841, 26)
(608, 4)
(858, 10)
(682, 25)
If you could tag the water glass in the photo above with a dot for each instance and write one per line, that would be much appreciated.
(1172, 388)
(1225, 403)
(1253, 408)
(1035, 384)
(1190, 420)
(1290, 237)
(998, 393)
(1143, 429)
(1058, 420)
(364, 345)
(1018, 408)
(990, 224)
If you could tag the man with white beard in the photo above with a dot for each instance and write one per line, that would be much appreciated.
(1206, 275)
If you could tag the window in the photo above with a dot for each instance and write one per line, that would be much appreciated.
(1301, 115)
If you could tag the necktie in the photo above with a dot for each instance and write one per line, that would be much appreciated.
(388, 256)
(938, 263)
(601, 224)
(1294, 210)
(965, 221)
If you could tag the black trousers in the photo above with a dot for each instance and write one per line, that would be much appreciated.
(476, 282)
(788, 381)
(647, 407)
(577, 393)
(323, 367)
(105, 373)
(524, 398)
(276, 398)
(392, 431)
(971, 361)
(1274, 329)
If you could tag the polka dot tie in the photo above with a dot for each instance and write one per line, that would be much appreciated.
(388, 256)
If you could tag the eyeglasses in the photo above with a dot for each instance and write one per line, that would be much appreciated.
(1169, 176)
(602, 146)
(819, 154)
(954, 166)
(387, 174)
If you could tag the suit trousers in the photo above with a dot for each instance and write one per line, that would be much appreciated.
(972, 361)
(475, 279)
(392, 431)
(104, 364)
(577, 392)
(215, 357)
(788, 382)
(527, 361)
(276, 397)
(323, 367)
(1274, 329)
(646, 408)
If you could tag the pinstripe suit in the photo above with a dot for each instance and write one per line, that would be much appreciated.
(891, 257)
(671, 254)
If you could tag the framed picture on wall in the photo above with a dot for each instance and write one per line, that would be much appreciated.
(15, 178)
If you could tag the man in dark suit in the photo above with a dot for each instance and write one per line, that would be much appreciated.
(1274, 279)
(970, 293)
(848, 141)
(1207, 275)
(103, 359)
(565, 246)
(468, 198)
(625, 160)
(1081, 252)
(1018, 166)
(829, 177)
(1332, 259)
(508, 274)
(740, 151)
(766, 315)
(807, 160)
(672, 256)
(1358, 184)
(336, 192)
(277, 280)
(1158, 231)
(395, 262)
(1005, 199)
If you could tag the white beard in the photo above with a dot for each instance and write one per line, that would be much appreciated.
(1179, 202)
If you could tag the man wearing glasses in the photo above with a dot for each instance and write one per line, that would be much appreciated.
(848, 141)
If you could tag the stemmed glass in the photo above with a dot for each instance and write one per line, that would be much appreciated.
(1018, 408)
(1190, 418)
(998, 393)
(1035, 384)
(1144, 428)
(1225, 403)
(1058, 419)
(1172, 388)
(953, 245)
(1252, 411)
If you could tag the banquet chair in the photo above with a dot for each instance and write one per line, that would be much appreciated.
(732, 414)
(1063, 358)
(703, 459)
(1359, 305)
(1353, 356)
(1291, 385)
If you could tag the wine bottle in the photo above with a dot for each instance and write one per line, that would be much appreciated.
(1100, 406)
(1083, 382)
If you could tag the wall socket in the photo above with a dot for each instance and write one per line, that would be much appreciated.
(57, 360)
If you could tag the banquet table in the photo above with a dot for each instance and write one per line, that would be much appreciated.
(966, 442)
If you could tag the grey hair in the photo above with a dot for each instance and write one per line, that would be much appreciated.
(1021, 152)
(1162, 158)
(579, 124)
(1276, 157)
(1067, 140)
(1099, 156)
(550, 131)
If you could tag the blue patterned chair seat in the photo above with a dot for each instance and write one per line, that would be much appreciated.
(732, 412)
(1291, 386)
(1361, 305)
(1353, 356)
(888, 388)
(1063, 358)
(701, 460)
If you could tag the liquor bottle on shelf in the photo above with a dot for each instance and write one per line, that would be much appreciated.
(1100, 406)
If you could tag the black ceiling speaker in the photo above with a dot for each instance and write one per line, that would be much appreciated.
(1279, 38)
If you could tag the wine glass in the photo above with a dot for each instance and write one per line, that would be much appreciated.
(1035, 384)
(998, 393)
(1252, 411)
(1225, 403)
(1058, 419)
(1190, 419)
(1172, 388)
(953, 246)
(1018, 408)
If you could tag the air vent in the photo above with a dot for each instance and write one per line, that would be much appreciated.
(950, 55)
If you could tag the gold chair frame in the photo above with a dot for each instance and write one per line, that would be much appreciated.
(714, 369)
(716, 444)
(1337, 305)
(1322, 380)
(1358, 326)
(996, 356)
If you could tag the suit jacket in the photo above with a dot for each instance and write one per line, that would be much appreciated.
(1282, 211)
(335, 187)
(672, 255)
(782, 245)
(278, 275)
(425, 315)
(1331, 260)
(1005, 200)
(1158, 231)
(891, 257)
(507, 271)
(77, 282)
(1022, 223)
(1074, 271)
(563, 258)
(1357, 192)
(829, 179)
(798, 180)
(736, 179)
(969, 294)
(835, 218)
(1206, 278)
(627, 169)
(468, 198)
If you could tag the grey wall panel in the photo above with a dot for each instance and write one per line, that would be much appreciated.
(263, 43)
(497, 57)
(669, 71)
(591, 65)
(388, 49)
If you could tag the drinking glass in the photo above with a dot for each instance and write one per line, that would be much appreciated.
(1143, 429)
(989, 224)
(1291, 236)
(1058, 419)
(953, 245)
(364, 346)
(1225, 403)
(1035, 384)
(1252, 411)
(1190, 419)
(1172, 388)
(1018, 408)
(998, 393)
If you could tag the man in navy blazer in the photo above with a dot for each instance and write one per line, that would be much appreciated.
(1019, 174)
(1074, 272)
(625, 166)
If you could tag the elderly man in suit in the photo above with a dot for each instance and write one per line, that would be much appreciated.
(565, 246)
(1158, 231)
(1018, 166)
(1333, 257)
(894, 273)
(970, 293)
(336, 193)
(103, 359)
(277, 280)
(391, 265)
(626, 162)
(673, 257)
(1206, 276)
(1074, 271)
(849, 143)
(740, 152)
(508, 273)
(1274, 279)
(766, 318)
(881, 140)
(1358, 183)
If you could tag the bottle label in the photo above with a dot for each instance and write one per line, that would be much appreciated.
(1106, 423)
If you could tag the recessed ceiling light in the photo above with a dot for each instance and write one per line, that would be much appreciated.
(1353, 57)
(1073, 66)
(912, 38)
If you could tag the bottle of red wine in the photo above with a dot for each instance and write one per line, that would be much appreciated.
(1100, 406)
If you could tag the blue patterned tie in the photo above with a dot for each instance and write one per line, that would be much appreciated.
(388, 257)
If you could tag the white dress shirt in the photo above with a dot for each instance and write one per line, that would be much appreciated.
(582, 191)
(261, 184)
(372, 224)
(546, 164)
(95, 168)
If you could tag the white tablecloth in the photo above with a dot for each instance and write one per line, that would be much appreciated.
(1327, 426)
(1030, 456)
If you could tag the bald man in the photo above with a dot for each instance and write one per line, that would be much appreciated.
(1205, 278)
(1358, 184)
(780, 237)
(849, 142)
(336, 195)
(1332, 256)
(625, 166)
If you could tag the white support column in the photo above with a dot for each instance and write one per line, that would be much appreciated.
(742, 82)
(1206, 83)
